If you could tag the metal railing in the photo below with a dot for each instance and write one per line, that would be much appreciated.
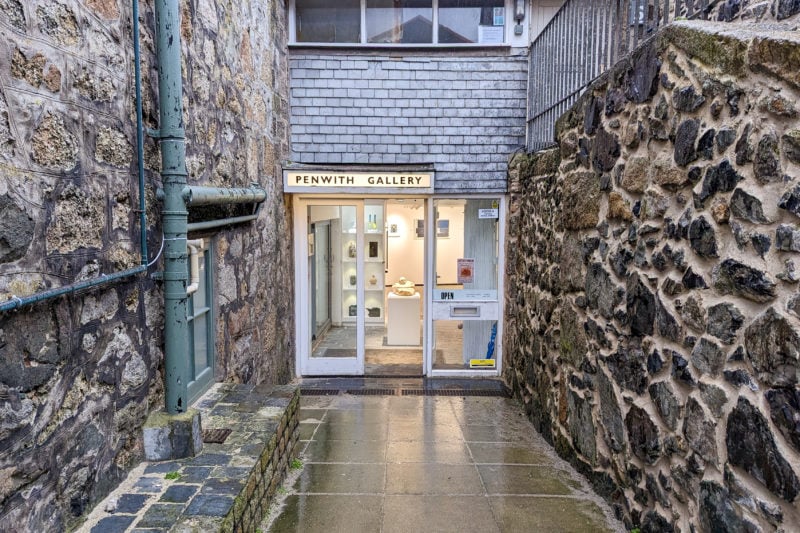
(584, 39)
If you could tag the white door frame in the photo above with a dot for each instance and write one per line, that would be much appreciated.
(305, 364)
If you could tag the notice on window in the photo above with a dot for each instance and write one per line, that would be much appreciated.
(466, 270)
(488, 213)
(498, 16)
(490, 34)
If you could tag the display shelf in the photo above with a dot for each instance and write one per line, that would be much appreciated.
(371, 247)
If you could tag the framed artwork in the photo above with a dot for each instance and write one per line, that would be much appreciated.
(419, 228)
(394, 231)
(443, 228)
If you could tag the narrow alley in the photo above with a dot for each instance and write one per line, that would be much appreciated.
(405, 462)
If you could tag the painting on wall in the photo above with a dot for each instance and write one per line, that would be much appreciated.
(419, 229)
(394, 230)
(443, 228)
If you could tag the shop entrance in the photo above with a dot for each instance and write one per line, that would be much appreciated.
(399, 286)
(365, 292)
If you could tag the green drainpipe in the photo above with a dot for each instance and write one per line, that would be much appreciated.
(175, 216)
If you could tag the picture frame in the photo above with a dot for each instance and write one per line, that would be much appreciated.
(394, 230)
(419, 228)
(443, 228)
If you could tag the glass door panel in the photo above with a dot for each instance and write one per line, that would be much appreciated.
(465, 308)
(335, 312)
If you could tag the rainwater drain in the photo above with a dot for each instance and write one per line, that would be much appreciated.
(454, 392)
(372, 392)
(319, 392)
(215, 436)
(495, 393)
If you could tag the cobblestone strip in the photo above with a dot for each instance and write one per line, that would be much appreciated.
(228, 487)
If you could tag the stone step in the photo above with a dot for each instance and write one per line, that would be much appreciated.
(226, 487)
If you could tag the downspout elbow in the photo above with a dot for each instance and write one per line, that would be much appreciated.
(194, 246)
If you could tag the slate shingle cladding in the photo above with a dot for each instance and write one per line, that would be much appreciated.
(463, 114)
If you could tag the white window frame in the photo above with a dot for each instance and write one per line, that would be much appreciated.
(508, 29)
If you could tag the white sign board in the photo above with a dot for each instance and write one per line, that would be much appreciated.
(320, 181)
(465, 295)
(488, 213)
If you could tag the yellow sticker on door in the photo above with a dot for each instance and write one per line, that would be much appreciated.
(481, 363)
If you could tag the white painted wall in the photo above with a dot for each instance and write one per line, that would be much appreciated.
(450, 249)
(406, 252)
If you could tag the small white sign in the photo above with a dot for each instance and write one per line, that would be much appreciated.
(488, 213)
(461, 295)
(490, 34)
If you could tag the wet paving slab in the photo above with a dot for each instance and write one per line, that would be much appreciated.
(399, 463)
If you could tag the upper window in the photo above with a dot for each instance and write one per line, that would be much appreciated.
(317, 22)
(400, 22)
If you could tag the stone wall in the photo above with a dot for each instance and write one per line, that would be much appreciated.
(653, 317)
(78, 375)
(754, 10)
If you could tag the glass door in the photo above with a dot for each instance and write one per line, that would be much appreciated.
(466, 312)
(332, 304)
(361, 296)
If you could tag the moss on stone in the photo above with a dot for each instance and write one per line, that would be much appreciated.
(776, 57)
(720, 51)
(160, 419)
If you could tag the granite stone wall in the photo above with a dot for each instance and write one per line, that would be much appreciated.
(653, 316)
(78, 375)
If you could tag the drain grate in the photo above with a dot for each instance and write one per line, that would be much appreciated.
(454, 392)
(372, 392)
(495, 393)
(319, 392)
(215, 436)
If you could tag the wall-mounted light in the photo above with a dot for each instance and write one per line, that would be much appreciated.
(519, 15)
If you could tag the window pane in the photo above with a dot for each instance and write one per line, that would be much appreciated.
(333, 269)
(399, 21)
(471, 21)
(199, 297)
(318, 22)
(457, 342)
(201, 352)
(467, 247)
